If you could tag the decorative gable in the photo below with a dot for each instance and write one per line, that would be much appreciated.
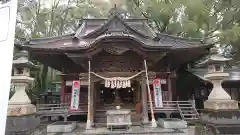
(115, 25)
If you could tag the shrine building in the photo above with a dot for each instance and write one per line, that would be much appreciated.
(116, 60)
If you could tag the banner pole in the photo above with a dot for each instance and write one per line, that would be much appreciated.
(154, 124)
(88, 125)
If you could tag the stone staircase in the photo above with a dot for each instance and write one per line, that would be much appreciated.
(187, 111)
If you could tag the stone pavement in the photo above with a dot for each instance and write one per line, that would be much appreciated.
(134, 130)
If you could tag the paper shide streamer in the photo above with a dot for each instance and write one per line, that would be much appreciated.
(117, 82)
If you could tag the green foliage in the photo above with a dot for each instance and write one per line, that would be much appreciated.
(44, 20)
(194, 18)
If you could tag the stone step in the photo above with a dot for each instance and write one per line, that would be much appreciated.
(104, 124)
(105, 119)
(104, 114)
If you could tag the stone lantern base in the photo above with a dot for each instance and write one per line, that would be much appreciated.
(22, 120)
(220, 117)
(20, 110)
(221, 104)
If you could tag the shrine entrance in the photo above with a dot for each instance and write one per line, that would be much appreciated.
(125, 97)
(117, 96)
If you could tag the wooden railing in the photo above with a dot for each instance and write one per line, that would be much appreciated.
(42, 108)
(83, 107)
(170, 105)
(167, 106)
(64, 109)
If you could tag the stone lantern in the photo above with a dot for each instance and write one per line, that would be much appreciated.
(21, 80)
(220, 114)
(21, 113)
(218, 98)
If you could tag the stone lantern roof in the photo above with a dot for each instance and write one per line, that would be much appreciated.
(22, 60)
(213, 58)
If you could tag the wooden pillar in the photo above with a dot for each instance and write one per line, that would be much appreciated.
(144, 101)
(89, 115)
(62, 90)
(169, 84)
(173, 86)
(97, 93)
(96, 100)
(138, 98)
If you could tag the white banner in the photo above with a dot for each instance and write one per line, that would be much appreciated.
(75, 95)
(8, 14)
(157, 93)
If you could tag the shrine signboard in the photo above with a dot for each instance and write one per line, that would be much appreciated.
(75, 95)
(157, 92)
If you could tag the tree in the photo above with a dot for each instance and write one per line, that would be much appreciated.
(214, 19)
(39, 20)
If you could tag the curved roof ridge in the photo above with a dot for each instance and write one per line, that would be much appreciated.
(51, 39)
(126, 36)
(182, 38)
(109, 21)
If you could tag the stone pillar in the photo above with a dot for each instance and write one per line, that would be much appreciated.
(144, 101)
(21, 113)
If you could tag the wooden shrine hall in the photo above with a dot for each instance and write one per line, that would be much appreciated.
(116, 59)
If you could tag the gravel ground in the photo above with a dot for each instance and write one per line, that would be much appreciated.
(134, 130)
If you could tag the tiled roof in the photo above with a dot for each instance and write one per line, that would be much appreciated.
(93, 31)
